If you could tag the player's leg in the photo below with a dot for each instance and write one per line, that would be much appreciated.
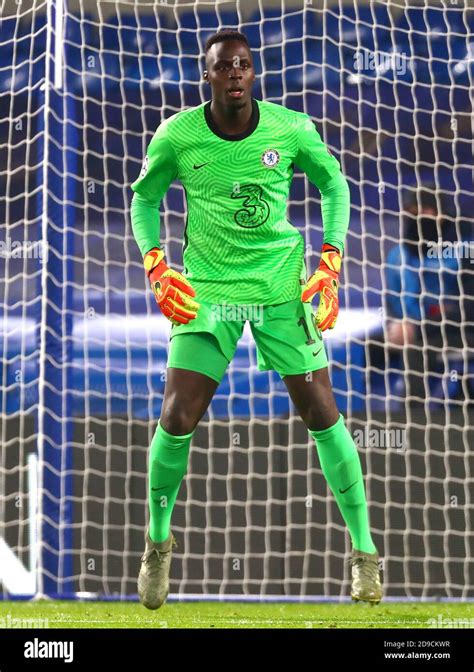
(186, 398)
(289, 342)
(312, 395)
(195, 367)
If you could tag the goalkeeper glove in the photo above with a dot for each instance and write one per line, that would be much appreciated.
(171, 289)
(325, 281)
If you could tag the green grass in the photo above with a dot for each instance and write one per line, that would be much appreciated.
(235, 615)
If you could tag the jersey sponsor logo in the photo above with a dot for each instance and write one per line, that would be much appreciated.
(270, 158)
(144, 169)
(255, 210)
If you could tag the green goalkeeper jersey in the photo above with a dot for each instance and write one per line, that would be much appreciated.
(239, 246)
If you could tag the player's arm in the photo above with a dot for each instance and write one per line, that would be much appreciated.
(172, 290)
(323, 170)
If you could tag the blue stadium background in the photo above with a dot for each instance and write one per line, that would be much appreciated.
(127, 71)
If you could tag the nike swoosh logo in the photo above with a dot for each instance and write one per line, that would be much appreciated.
(317, 353)
(162, 488)
(343, 491)
(201, 165)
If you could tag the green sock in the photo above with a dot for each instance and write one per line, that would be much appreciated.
(166, 469)
(340, 464)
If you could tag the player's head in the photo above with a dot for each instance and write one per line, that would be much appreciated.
(229, 68)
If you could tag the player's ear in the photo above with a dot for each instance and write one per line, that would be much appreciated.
(205, 76)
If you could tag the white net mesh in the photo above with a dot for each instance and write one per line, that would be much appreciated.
(82, 89)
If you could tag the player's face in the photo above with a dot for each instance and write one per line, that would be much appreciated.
(230, 73)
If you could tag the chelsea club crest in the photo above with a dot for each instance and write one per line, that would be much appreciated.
(270, 158)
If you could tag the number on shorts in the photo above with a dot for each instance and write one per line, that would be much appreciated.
(302, 323)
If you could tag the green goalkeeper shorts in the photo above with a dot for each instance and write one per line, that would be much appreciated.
(287, 338)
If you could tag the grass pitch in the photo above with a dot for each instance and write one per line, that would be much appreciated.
(63, 614)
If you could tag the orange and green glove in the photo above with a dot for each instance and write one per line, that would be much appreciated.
(173, 292)
(325, 282)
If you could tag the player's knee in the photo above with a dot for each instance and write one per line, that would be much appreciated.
(177, 422)
(321, 411)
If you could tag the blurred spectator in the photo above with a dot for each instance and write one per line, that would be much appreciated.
(424, 282)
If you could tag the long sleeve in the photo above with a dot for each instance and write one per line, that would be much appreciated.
(335, 209)
(323, 170)
(145, 223)
(158, 171)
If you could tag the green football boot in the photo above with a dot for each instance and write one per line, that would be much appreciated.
(153, 579)
(366, 586)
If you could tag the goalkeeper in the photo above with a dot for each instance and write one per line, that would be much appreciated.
(235, 155)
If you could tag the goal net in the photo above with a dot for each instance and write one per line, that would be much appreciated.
(83, 87)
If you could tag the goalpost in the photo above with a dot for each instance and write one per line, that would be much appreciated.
(83, 87)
